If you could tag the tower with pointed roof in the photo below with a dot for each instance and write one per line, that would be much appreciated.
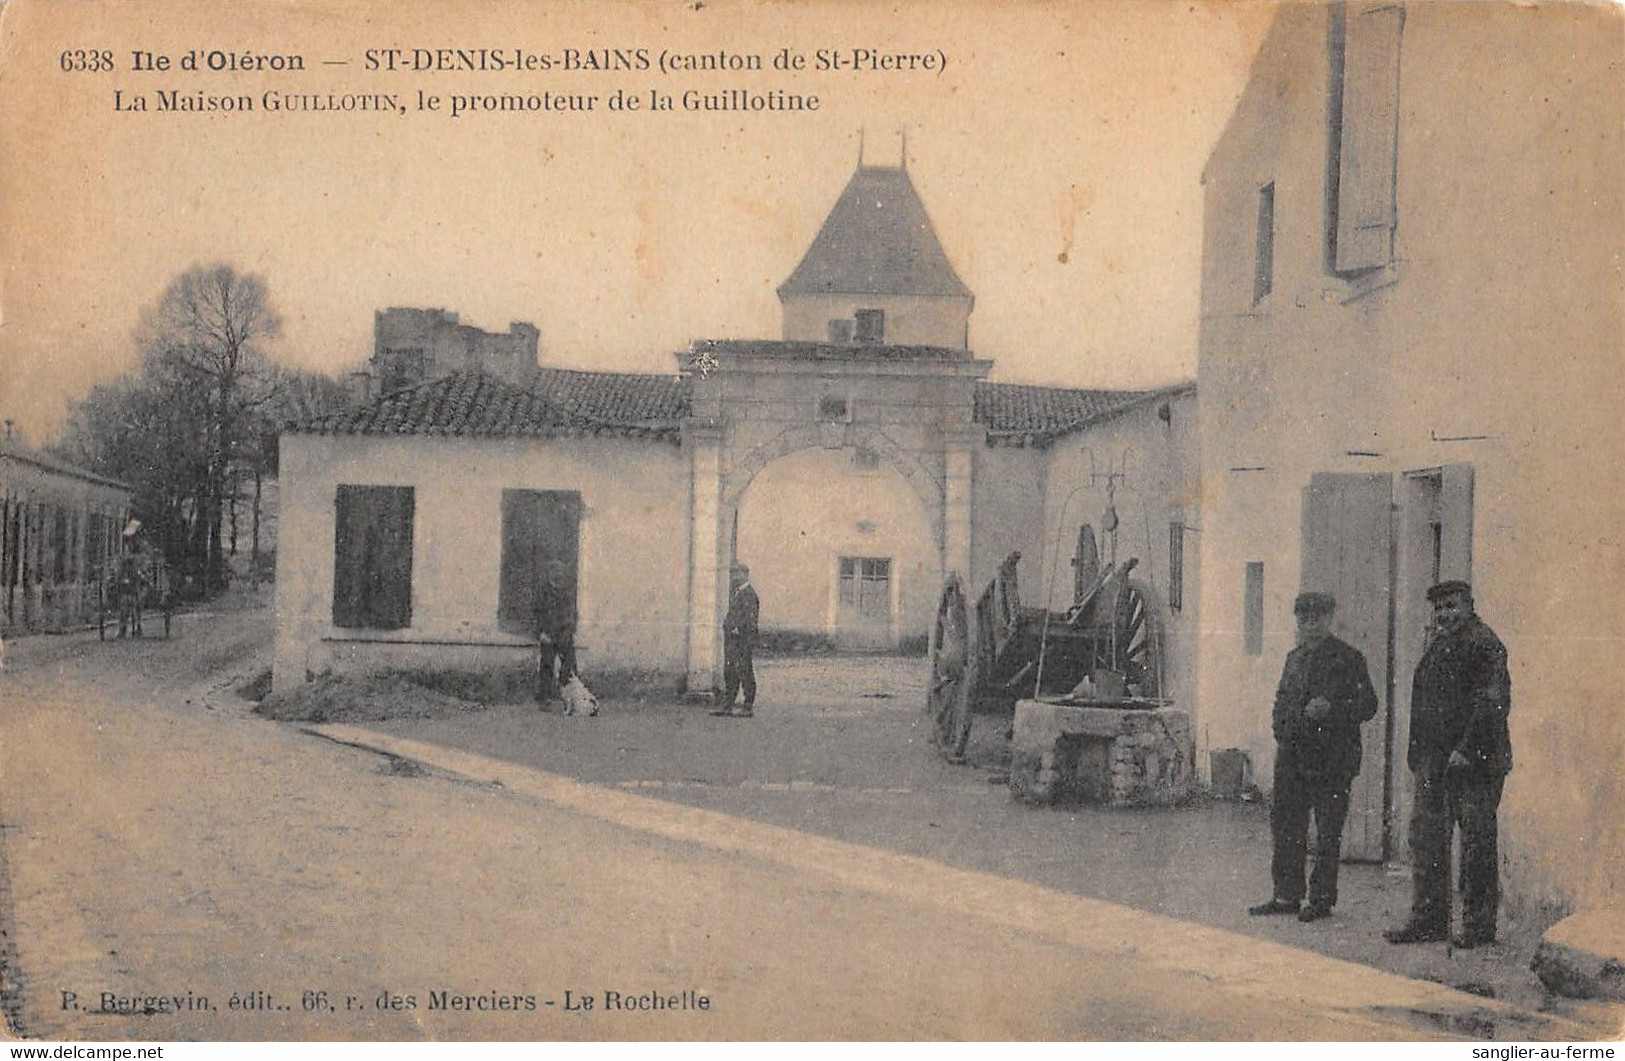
(876, 274)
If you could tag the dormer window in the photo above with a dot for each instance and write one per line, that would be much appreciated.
(870, 326)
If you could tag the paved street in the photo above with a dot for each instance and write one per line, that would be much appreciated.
(161, 843)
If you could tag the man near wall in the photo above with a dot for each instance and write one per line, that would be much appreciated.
(1324, 695)
(739, 633)
(1460, 753)
(556, 630)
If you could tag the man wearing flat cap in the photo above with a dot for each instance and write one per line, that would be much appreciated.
(1460, 753)
(739, 636)
(1324, 695)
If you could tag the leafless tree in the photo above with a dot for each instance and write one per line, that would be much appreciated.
(206, 334)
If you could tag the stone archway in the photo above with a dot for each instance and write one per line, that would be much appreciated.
(755, 402)
(928, 487)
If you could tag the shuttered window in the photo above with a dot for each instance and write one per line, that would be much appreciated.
(1264, 254)
(1367, 136)
(1252, 618)
(372, 557)
(1176, 565)
(539, 527)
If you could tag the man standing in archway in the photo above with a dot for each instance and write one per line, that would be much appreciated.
(739, 633)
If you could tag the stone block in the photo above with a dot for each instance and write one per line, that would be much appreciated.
(1104, 755)
(1584, 956)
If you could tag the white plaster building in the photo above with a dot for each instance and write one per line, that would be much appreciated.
(851, 463)
(60, 528)
(1409, 367)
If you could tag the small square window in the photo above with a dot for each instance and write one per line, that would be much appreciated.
(870, 325)
(840, 331)
(832, 409)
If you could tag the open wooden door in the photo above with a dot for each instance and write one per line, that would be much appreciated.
(1348, 551)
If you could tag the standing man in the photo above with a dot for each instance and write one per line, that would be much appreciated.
(128, 586)
(556, 630)
(1460, 753)
(1324, 695)
(739, 632)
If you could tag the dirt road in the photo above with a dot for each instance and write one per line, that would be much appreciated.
(168, 854)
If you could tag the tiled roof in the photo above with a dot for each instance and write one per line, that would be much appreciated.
(566, 402)
(877, 240)
(802, 350)
(616, 397)
(1018, 414)
(474, 405)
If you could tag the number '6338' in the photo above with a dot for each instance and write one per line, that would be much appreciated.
(91, 59)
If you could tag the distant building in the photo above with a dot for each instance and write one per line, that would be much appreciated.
(1409, 366)
(62, 529)
(851, 463)
(410, 346)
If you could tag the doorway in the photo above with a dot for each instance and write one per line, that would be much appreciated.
(1376, 543)
(863, 611)
(1348, 551)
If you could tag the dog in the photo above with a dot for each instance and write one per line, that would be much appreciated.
(578, 699)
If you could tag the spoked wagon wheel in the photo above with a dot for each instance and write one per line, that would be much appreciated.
(1133, 644)
(948, 695)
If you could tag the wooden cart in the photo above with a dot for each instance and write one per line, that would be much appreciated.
(987, 655)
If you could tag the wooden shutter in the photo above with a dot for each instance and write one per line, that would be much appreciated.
(1456, 522)
(372, 557)
(1368, 137)
(1349, 552)
(392, 574)
(1252, 608)
(538, 527)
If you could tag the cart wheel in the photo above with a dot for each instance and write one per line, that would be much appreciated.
(1134, 647)
(948, 694)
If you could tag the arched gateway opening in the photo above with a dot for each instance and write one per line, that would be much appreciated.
(841, 474)
(843, 550)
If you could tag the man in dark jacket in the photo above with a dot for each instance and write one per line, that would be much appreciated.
(555, 630)
(739, 633)
(1324, 695)
(1460, 753)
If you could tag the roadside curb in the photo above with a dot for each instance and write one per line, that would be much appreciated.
(1256, 968)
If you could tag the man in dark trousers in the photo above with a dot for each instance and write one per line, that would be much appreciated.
(739, 632)
(1324, 695)
(1460, 753)
(556, 630)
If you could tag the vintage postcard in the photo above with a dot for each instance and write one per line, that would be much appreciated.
(736, 520)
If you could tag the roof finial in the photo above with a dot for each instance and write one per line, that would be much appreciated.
(904, 131)
(860, 147)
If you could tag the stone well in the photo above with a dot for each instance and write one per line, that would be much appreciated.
(1098, 753)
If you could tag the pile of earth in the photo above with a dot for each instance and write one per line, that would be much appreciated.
(358, 698)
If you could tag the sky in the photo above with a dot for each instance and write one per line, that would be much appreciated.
(1058, 151)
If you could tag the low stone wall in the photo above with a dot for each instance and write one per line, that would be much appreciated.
(1097, 754)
